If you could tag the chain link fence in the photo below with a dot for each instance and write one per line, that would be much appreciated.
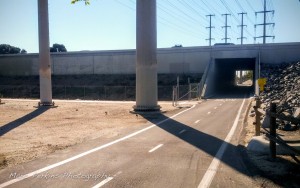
(87, 92)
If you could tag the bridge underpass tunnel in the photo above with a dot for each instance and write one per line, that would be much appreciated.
(234, 76)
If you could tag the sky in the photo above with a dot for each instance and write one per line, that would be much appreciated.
(110, 24)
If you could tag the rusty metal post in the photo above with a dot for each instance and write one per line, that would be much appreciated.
(272, 130)
(257, 117)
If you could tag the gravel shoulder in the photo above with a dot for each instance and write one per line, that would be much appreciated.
(28, 132)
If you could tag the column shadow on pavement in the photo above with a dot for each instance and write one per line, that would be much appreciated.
(18, 122)
(235, 156)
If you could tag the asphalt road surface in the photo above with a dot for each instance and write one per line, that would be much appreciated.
(196, 148)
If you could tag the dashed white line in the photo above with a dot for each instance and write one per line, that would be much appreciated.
(215, 107)
(155, 148)
(197, 121)
(182, 131)
(208, 113)
(212, 169)
(220, 104)
(25, 176)
(103, 182)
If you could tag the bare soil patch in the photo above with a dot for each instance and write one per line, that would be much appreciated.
(28, 132)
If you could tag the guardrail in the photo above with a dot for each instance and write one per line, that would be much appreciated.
(271, 134)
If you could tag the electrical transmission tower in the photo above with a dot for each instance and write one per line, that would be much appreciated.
(226, 26)
(265, 11)
(210, 27)
(242, 27)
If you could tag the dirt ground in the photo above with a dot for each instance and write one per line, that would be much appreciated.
(28, 132)
(284, 171)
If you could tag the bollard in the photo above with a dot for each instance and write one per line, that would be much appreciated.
(272, 130)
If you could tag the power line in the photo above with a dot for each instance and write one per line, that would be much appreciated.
(227, 7)
(250, 6)
(188, 6)
(241, 7)
(167, 23)
(175, 7)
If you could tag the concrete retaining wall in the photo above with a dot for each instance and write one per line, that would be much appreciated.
(185, 60)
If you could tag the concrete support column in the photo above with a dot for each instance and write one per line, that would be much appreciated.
(44, 54)
(146, 59)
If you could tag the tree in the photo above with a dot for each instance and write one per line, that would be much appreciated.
(87, 2)
(58, 48)
(8, 49)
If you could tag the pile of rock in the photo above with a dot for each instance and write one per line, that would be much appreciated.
(283, 88)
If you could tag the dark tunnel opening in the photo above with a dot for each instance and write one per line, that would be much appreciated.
(225, 82)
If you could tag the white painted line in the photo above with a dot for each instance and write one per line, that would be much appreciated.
(182, 131)
(155, 148)
(197, 121)
(208, 113)
(25, 176)
(215, 107)
(212, 169)
(103, 182)
(220, 104)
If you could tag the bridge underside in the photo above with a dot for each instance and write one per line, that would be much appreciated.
(221, 81)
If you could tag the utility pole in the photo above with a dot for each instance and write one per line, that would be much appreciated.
(210, 27)
(226, 26)
(265, 11)
(242, 27)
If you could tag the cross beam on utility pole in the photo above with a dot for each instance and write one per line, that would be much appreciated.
(265, 11)
(242, 27)
(210, 27)
(226, 26)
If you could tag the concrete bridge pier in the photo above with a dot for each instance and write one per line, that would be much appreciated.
(146, 57)
(44, 54)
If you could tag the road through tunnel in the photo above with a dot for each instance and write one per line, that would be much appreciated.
(232, 77)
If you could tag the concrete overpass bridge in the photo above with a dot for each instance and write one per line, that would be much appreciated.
(217, 64)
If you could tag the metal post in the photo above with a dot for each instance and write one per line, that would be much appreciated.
(173, 95)
(190, 89)
(125, 93)
(65, 92)
(272, 130)
(257, 117)
(177, 95)
(241, 77)
(83, 92)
